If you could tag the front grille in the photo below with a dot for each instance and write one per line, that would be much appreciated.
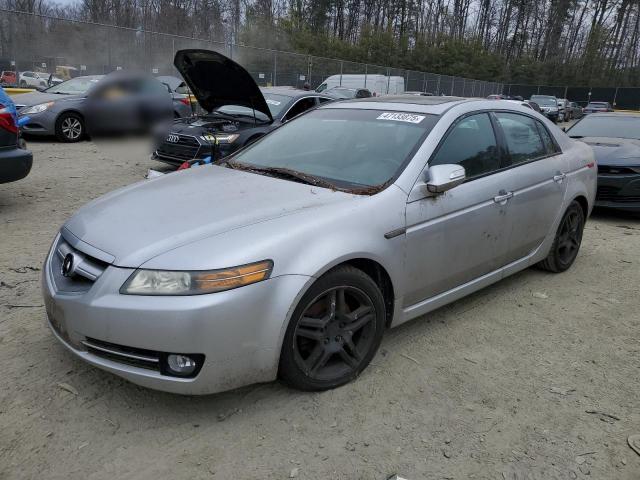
(186, 148)
(137, 357)
(612, 194)
(86, 271)
(613, 170)
(607, 193)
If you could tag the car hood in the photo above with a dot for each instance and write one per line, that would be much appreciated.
(215, 80)
(614, 151)
(34, 98)
(138, 222)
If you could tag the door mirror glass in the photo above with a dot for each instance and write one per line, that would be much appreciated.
(441, 178)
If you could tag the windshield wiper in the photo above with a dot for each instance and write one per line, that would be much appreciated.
(286, 173)
(576, 136)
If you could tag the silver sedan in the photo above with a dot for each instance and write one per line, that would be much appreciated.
(292, 257)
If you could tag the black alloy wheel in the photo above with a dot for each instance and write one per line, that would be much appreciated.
(567, 241)
(335, 331)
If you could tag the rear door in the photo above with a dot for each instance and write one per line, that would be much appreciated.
(535, 181)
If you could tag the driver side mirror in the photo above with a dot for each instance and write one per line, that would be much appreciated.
(441, 178)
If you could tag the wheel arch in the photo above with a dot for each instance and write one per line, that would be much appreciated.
(376, 271)
(584, 204)
(75, 112)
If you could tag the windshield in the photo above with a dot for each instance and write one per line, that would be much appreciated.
(276, 102)
(545, 101)
(348, 148)
(75, 86)
(598, 105)
(242, 111)
(607, 126)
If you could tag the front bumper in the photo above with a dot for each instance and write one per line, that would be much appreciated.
(15, 164)
(238, 331)
(43, 123)
(620, 192)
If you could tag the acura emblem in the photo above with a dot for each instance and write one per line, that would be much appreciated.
(173, 139)
(68, 269)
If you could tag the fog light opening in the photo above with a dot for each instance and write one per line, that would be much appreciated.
(182, 365)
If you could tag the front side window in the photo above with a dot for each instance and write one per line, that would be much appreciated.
(349, 148)
(472, 144)
(521, 135)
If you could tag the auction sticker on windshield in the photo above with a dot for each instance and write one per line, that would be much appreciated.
(273, 102)
(401, 117)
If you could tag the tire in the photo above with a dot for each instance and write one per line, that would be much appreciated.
(332, 336)
(566, 243)
(23, 84)
(70, 127)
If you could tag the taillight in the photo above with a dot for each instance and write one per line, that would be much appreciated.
(185, 101)
(6, 120)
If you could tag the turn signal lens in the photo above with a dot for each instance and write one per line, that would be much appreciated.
(158, 282)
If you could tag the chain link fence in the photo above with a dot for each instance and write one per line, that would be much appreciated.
(32, 42)
(622, 98)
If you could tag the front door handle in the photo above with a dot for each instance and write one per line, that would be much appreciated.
(502, 197)
(559, 177)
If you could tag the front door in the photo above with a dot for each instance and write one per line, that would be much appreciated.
(458, 236)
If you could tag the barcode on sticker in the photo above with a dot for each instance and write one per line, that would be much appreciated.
(401, 117)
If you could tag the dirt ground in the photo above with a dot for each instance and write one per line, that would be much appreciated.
(536, 377)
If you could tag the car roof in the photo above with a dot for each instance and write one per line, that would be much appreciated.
(408, 103)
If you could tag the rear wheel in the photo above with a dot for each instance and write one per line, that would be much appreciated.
(69, 127)
(567, 242)
(334, 332)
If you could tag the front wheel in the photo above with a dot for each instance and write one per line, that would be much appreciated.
(334, 332)
(567, 241)
(69, 127)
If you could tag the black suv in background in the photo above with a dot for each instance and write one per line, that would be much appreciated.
(549, 106)
(15, 160)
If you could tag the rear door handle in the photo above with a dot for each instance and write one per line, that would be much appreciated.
(559, 177)
(502, 197)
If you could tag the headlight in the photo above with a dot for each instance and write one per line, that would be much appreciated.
(225, 138)
(159, 282)
(36, 108)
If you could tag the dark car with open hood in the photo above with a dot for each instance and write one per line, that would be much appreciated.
(236, 111)
(615, 140)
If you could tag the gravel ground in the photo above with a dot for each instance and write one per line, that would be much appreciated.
(500, 385)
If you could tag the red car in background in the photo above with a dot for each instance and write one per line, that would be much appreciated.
(8, 78)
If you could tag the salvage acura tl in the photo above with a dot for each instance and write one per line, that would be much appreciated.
(290, 258)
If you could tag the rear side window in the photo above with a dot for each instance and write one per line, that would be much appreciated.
(549, 144)
(472, 144)
(301, 106)
(521, 135)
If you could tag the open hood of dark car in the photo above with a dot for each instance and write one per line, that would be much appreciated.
(216, 80)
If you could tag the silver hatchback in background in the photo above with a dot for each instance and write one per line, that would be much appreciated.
(292, 257)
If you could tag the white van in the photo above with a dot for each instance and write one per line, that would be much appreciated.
(377, 84)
